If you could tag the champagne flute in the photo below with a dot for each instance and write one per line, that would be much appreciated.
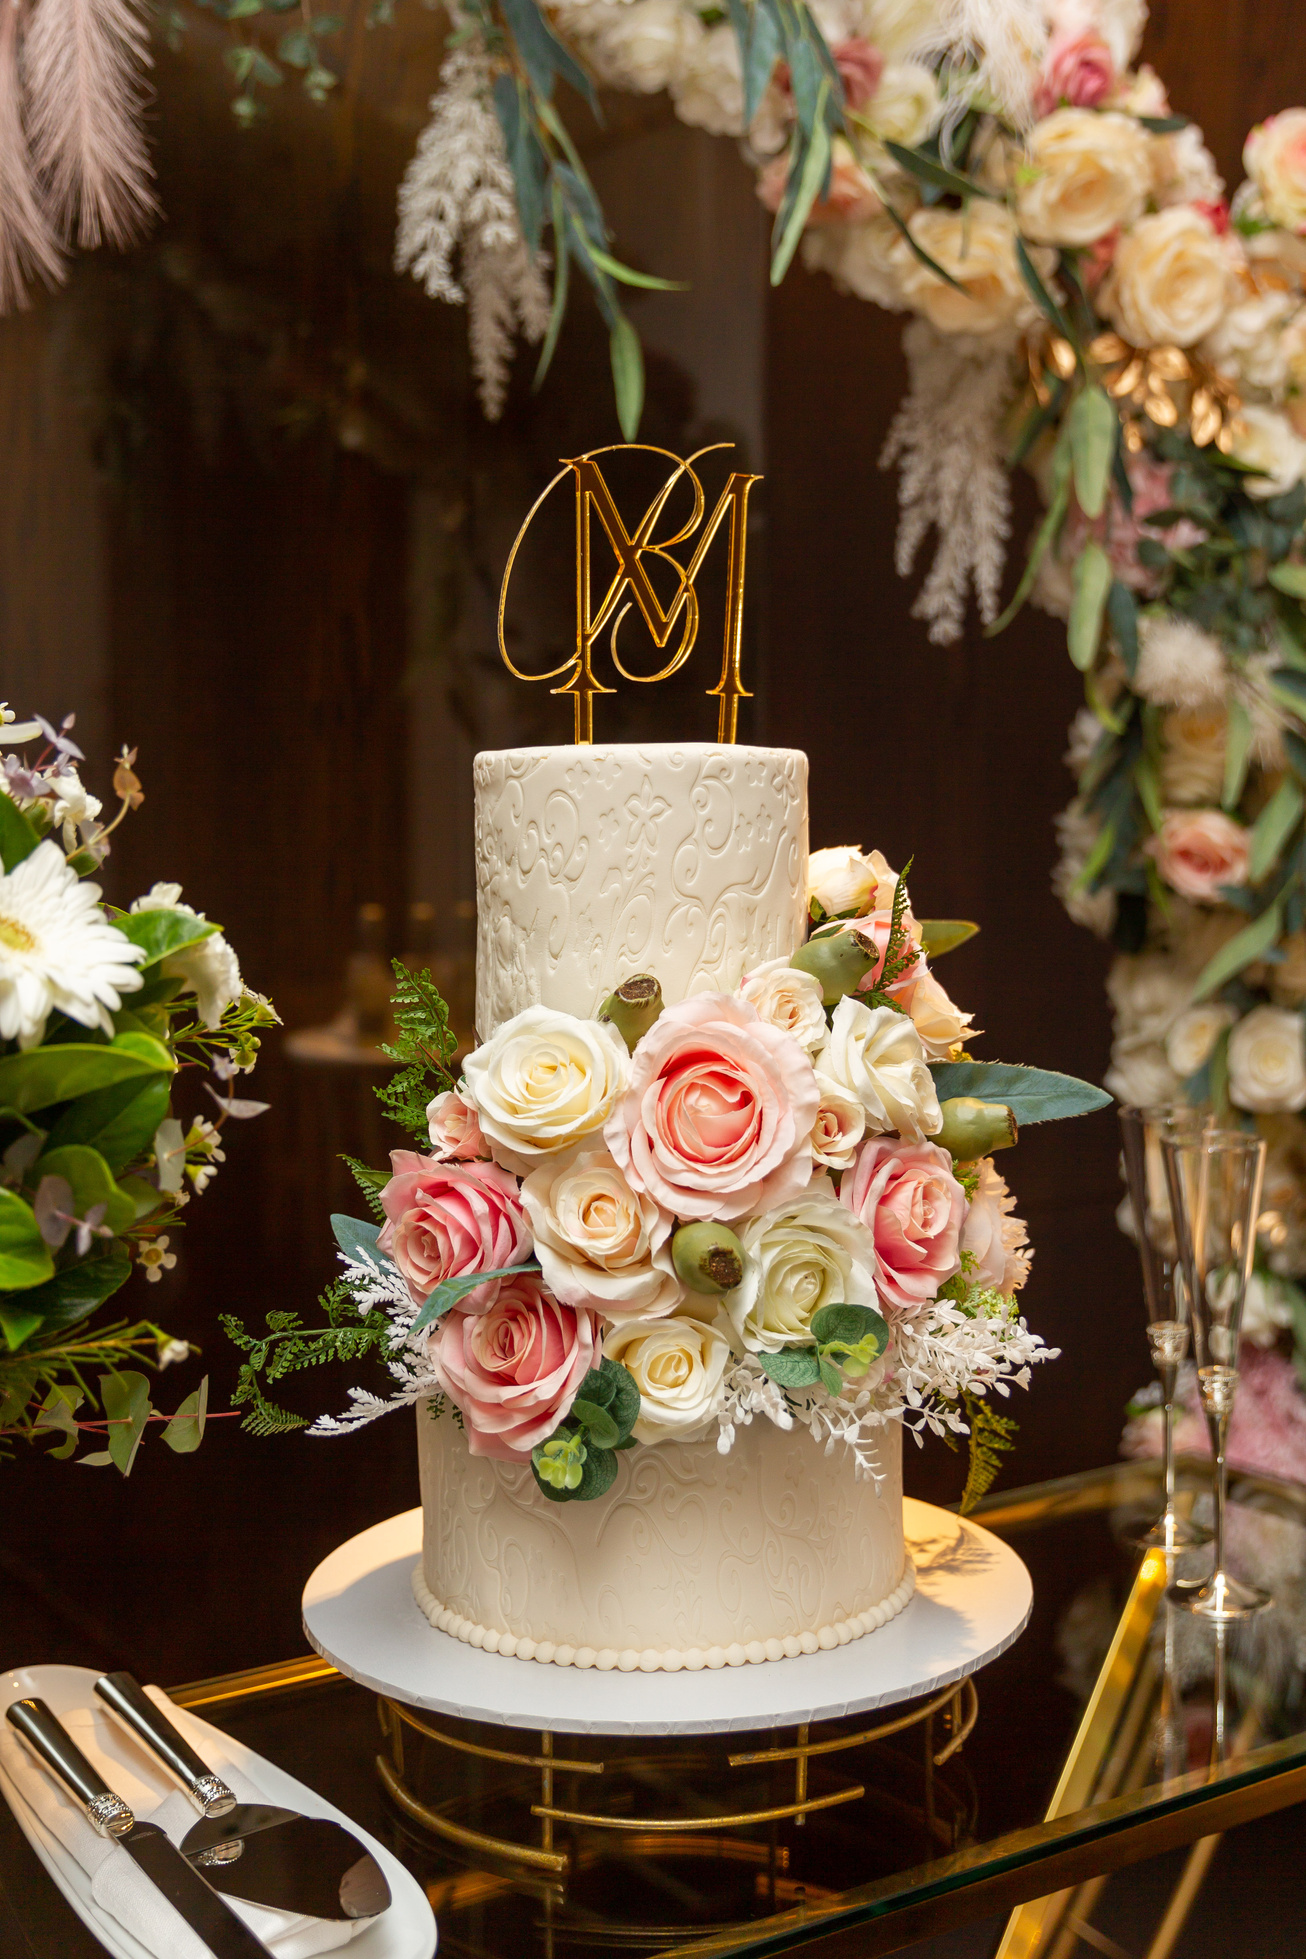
(1215, 1200)
(1142, 1133)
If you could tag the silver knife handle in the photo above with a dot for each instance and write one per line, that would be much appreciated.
(49, 1739)
(133, 1706)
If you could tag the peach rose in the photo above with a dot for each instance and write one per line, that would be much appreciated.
(914, 1208)
(1172, 279)
(997, 1241)
(1197, 851)
(717, 1118)
(1086, 174)
(942, 1026)
(455, 1132)
(875, 929)
(447, 1219)
(1078, 68)
(1274, 156)
(513, 1372)
(977, 248)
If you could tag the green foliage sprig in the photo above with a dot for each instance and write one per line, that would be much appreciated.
(289, 1347)
(579, 1460)
(424, 1046)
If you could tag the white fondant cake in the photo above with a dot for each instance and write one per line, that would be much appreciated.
(687, 860)
(692, 1558)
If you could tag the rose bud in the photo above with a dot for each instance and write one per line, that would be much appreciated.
(707, 1257)
(972, 1129)
(839, 962)
(633, 1008)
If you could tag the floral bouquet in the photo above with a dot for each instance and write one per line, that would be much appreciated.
(658, 1224)
(100, 1013)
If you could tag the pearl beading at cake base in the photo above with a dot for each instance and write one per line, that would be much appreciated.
(671, 1659)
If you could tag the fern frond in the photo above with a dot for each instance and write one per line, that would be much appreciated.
(991, 1437)
(425, 1046)
(370, 1182)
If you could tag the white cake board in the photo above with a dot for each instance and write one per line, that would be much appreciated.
(972, 1600)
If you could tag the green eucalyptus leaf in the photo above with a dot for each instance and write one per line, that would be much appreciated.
(1043, 538)
(544, 55)
(793, 1367)
(598, 1423)
(1289, 578)
(25, 1258)
(125, 1398)
(185, 1431)
(17, 837)
(929, 170)
(624, 1402)
(850, 1324)
(1252, 943)
(1290, 686)
(940, 935)
(356, 1237)
(1032, 1094)
(801, 193)
(831, 1378)
(57, 1415)
(1092, 582)
(627, 358)
(17, 1323)
(57, 1073)
(1094, 427)
(450, 1291)
(1274, 826)
(1122, 611)
(1042, 298)
(626, 277)
(1237, 755)
(92, 1183)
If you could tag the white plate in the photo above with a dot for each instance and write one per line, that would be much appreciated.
(973, 1597)
(405, 1931)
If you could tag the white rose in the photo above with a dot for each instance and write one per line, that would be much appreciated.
(942, 1026)
(1191, 1041)
(905, 107)
(1148, 993)
(1268, 442)
(600, 1244)
(1084, 174)
(679, 1367)
(799, 1258)
(1183, 169)
(899, 27)
(641, 44)
(709, 90)
(1274, 157)
(1193, 742)
(789, 1000)
(1140, 1074)
(845, 879)
(860, 258)
(1267, 1309)
(1171, 280)
(210, 970)
(1267, 1061)
(977, 248)
(544, 1082)
(877, 1055)
(839, 1127)
(997, 1241)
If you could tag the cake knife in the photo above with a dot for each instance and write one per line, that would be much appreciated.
(256, 1851)
(210, 1917)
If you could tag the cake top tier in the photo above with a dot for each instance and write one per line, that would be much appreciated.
(596, 862)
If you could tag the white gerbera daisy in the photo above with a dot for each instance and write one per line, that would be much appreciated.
(57, 949)
(209, 969)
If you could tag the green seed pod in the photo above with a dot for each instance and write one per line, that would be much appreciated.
(839, 962)
(633, 1008)
(973, 1129)
(707, 1257)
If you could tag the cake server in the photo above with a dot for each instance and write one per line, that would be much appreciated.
(256, 1851)
(210, 1917)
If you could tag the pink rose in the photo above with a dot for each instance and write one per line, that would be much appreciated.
(1119, 530)
(1199, 850)
(447, 1219)
(1077, 69)
(514, 1370)
(851, 194)
(455, 1129)
(860, 66)
(876, 927)
(997, 1241)
(914, 1208)
(717, 1118)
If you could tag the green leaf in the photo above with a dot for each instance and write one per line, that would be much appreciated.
(561, 273)
(930, 171)
(17, 837)
(627, 358)
(597, 1421)
(450, 1291)
(1149, 790)
(297, 48)
(92, 1183)
(185, 1431)
(265, 71)
(46, 1075)
(1092, 582)
(1274, 826)
(25, 1258)
(831, 1378)
(146, 1197)
(1032, 1094)
(1252, 943)
(57, 1413)
(543, 54)
(75, 1292)
(17, 1323)
(795, 210)
(1237, 755)
(119, 1122)
(356, 1237)
(1163, 125)
(793, 1367)
(614, 1388)
(758, 35)
(1042, 297)
(940, 935)
(597, 1476)
(850, 1325)
(1094, 426)
(126, 1401)
(371, 1183)
(1043, 538)
(1122, 611)
(616, 270)
(1290, 686)
(1289, 578)
(918, 251)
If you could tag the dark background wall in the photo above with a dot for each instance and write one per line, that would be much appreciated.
(270, 620)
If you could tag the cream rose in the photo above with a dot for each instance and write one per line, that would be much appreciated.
(996, 1239)
(876, 1054)
(1084, 175)
(639, 44)
(1148, 993)
(709, 89)
(839, 1127)
(844, 879)
(905, 106)
(679, 1368)
(1267, 1061)
(1140, 1074)
(599, 1243)
(978, 249)
(1250, 342)
(1171, 281)
(1274, 157)
(544, 1082)
(1199, 851)
(942, 1026)
(1268, 442)
(787, 999)
(860, 258)
(1191, 1041)
(799, 1258)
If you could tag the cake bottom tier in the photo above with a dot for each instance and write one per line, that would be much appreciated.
(692, 1559)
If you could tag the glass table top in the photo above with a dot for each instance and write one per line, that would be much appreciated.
(1117, 1726)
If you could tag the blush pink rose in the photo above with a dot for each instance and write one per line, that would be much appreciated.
(875, 928)
(717, 1118)
(514, 1370)
(455, 1129)
(1199, 850)
(1077, 69)
(860, 66)
(446, 1219)
(910, 1201)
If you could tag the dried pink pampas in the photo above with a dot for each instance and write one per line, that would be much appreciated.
(28, 246)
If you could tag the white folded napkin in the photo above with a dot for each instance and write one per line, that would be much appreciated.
(118, 1885)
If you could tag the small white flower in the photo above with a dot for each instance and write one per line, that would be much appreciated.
(156, 1259)
(57, 949)
(172, 1352)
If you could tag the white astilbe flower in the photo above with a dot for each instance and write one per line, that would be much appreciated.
(375, 1282)
(457, 200)
(748, 1391)
(947, 437)
(950, 1350)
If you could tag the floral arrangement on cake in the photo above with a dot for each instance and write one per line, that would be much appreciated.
(101, 1012)
(678, 1217)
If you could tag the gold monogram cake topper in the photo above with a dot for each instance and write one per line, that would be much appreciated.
(630, 549)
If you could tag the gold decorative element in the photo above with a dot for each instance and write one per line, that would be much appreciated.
(630, 549)
(1163, 385)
